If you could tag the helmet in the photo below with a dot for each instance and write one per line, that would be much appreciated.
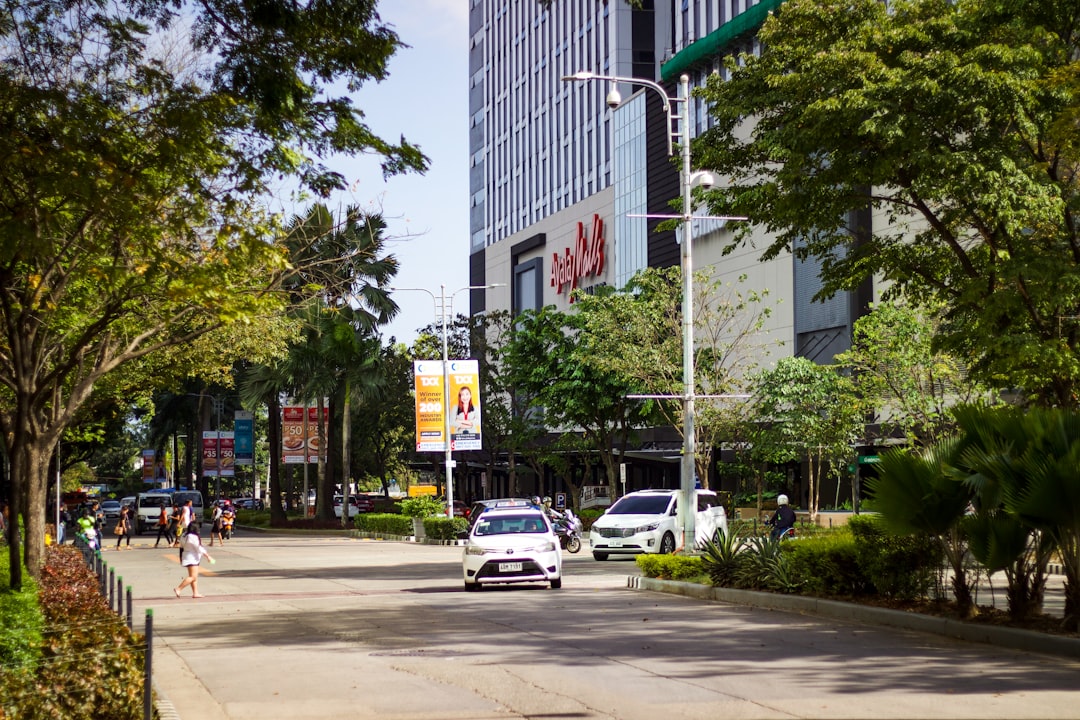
(782, 500)
(536, 500)
(547, 499)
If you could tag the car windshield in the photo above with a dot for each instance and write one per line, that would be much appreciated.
(510, 524)
(641, 505)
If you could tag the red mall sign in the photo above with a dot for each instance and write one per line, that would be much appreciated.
(584, 260)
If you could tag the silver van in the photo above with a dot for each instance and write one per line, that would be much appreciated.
(182, 496)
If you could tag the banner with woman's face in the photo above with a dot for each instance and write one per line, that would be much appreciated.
(463, 381)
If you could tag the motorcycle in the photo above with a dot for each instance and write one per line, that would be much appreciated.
(568, 528)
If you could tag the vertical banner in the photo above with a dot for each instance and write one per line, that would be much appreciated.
(313, 449)
(226, 454)
(300, 439)
(244, 429)
(210, 453)
(464, 376)
(292, 435)
(430, 422)
(148, 457)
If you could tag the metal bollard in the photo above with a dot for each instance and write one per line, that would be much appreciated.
(129, 623)
(112, 585)
(119, 595)
(148, 668)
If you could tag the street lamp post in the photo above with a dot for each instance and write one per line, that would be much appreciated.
(686, 181)
(441, 308)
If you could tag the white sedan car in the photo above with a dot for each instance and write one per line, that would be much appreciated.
(511, 545)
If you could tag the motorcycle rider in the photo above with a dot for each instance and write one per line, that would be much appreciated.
(783, 520)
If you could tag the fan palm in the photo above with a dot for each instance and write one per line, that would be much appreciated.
(1030, 461)
(915, 493)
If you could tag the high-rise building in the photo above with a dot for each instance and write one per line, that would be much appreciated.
(559, 180)
(557, 177)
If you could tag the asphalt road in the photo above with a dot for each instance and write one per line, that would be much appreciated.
(324, 627)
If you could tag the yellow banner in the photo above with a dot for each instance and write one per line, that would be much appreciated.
(430, 421)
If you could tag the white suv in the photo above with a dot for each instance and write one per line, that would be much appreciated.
(646, 522)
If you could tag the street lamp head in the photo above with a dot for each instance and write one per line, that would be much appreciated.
(579, 75)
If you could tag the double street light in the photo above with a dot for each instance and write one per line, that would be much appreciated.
(440, 303)
(687, 180)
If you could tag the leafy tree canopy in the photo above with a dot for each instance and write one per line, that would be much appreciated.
(141, 138)
(955, 122)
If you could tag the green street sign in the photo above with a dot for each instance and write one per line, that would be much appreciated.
(869, 459)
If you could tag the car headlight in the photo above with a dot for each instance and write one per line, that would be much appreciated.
(545, 547)
(476, 550)
(646, 528)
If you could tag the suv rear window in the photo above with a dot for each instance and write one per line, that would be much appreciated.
(640, 505)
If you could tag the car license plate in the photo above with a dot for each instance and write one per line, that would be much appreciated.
(510, 567)
(615, 543)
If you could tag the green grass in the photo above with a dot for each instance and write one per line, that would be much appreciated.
(21, 620)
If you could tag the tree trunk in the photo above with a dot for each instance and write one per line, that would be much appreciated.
(29, 485)
(273, 436)
(346, 461)
(324, 481)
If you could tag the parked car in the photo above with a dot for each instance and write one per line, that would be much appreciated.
(111, 508)
(460, 509)
(512, 544)
(354, 505)
(364, 503)
(247, 504)
(646, 522)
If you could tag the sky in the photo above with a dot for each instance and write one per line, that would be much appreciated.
(426, 99)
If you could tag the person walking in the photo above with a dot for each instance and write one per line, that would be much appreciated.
(187, 514)
(215, 525)
(123, 528)
(191, 554)
(174, 526)
(163, 530)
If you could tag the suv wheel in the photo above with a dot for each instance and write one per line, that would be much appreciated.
(667, 544)
(599, 556)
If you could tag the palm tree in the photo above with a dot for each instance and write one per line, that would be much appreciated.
(1027, 463)
(346, 276)
(915, 494)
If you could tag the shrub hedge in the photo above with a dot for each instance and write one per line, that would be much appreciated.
(671, 567)
(904, 567)
(91, 666)
(388, 523)
(444, 528)
(859, 559)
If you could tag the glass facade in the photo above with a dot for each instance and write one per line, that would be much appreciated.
(631, 189)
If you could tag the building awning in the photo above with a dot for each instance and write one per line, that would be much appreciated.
(715, 42)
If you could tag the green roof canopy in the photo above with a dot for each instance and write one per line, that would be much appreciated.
(714, 43)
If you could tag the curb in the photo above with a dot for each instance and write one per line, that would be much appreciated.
(1011, 638)
(403, 538)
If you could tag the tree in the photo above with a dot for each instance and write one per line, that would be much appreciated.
(915, 493)
(954, 124)
(383, 419)
(637, 334)
(545, 359)
(130, 191)
(897, 372)
(1027, 463)
(343, 268)
(805, 410)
